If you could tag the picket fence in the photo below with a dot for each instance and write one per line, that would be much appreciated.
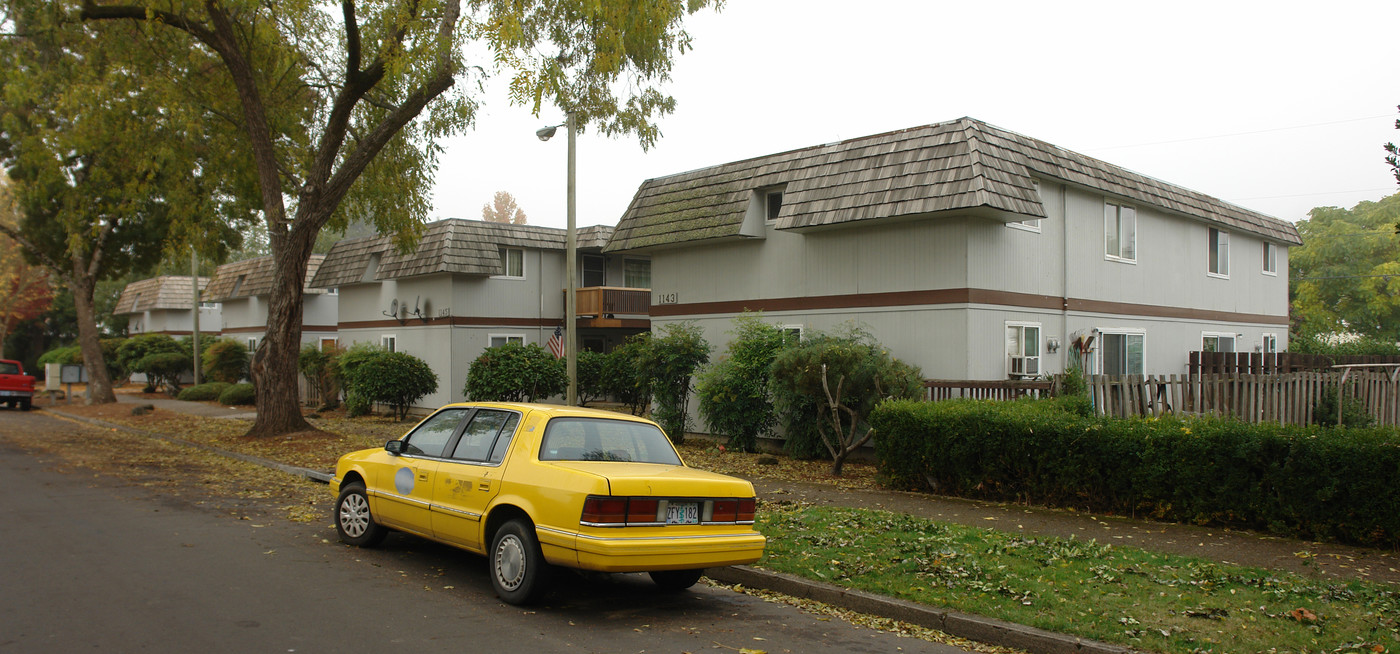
(1289, 398)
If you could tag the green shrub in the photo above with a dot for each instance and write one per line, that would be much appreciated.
(357, 405)
(515, 373)
(135, 349)
(165, 369)
(1320, 344)
(670, 361)
(590, 377)
(1308, 482)
(68, 354)
(622, 374)
(1354, 413)
(733, 392)
(239, 395)
(397, 379)
(847, 374)
(225, 360)
(207, 392)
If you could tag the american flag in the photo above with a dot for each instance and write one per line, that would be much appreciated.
(556, 343)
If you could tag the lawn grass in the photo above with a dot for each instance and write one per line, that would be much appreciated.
(1121, 595)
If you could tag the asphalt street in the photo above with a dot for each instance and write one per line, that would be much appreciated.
(88, 563)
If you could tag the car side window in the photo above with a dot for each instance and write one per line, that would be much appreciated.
(480, 437)
(430, 437)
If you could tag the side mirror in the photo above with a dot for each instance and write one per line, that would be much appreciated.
(394, 447)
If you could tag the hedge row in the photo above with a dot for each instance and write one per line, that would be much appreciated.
(1309, 482)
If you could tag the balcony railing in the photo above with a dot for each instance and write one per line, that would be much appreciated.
(604, 301)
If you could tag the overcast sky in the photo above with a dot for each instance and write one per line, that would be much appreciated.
(1276, 106)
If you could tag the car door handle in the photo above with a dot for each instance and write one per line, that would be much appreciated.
(422, 476)
(483, 485)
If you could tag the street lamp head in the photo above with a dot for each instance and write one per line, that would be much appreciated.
(546, 132)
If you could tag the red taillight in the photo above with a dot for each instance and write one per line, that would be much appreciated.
(746, 509)
(641, 509)
(725, 511)
(605, 510)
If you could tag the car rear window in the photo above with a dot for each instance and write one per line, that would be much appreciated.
(8, 368)
(601, 439)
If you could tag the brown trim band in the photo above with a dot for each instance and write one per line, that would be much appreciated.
(955, 296)
(304, 329)
(456, 321)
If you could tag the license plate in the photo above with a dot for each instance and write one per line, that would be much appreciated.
(683, 513)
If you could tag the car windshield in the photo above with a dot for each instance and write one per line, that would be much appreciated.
(601, 439)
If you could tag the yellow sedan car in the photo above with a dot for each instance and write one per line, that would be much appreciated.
(533, 486)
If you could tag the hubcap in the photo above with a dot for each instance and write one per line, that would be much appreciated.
(354, 515)
(510, 562)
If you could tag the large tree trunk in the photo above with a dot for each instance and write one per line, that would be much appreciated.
(99, 382)
(274, 368)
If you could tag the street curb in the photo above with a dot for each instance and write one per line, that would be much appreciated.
(962, 625)
(313, 475)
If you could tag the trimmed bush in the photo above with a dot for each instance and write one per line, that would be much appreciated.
(516, 373)
(1308, 482)
(164, 369)
(225, 360)
(68, 354)
(670, 362)
(204, 392)
(590, 377)
(397, 379)
(239, 395)
(131, 352)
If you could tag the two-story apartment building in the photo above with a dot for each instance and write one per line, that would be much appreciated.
(163, 305)
(971, 251)
(243, 289)
(470, 285)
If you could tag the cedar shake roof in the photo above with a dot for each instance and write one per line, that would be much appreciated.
(164, 292)
(455, 245)
(257, 278)
(960, 165)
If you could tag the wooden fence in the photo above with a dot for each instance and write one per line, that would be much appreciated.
(1289, 398)
(1210, 363)
(1003, 389)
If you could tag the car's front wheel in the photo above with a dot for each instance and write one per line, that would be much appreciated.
(353, 520)
(675, 579)
(518, 571)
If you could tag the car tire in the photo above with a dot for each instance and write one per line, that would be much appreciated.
(25, 404)
(515, 564)
(676, 580)
(353, 520)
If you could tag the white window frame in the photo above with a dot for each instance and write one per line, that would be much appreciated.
(1215, 239)
(1103, 349)
(1268, 343)
(505, 264)
(390, 342)
(1234, 341)
(252, 345)
(1270, 259)
(796, 330)
(517, 338)
(1030, 364)
(1117, 228)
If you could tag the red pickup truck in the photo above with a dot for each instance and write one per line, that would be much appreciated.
(16, 388)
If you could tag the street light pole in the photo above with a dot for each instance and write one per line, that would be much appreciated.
(571, 261)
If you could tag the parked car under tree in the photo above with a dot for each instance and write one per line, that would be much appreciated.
(535, 486)
(16, 388)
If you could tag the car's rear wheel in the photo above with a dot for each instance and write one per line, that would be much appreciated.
(25, 403)
(676, 579)
(518, 570)
(353, 520)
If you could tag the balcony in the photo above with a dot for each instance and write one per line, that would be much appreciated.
(601, 306)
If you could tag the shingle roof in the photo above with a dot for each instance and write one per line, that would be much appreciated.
(257, 278)
(164, 292)
(963, 164)
(455, 245)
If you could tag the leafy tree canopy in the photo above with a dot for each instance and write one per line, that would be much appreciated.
(1345, 278)
(502, 209)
